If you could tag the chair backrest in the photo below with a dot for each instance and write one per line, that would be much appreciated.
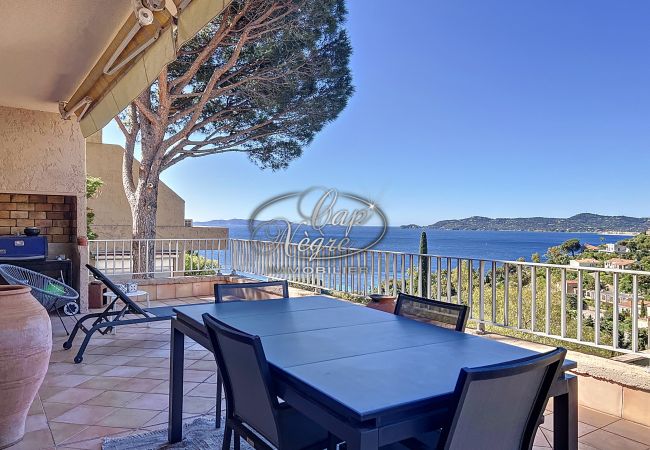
(251, 291)
(119, 293)
(500, 406)
(246, 378)
(443, 314)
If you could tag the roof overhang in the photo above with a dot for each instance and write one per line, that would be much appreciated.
(123, 72)
(88, 60)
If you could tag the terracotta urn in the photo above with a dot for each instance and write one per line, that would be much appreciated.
(25, 346)
(382, 302)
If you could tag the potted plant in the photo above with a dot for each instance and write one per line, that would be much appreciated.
(382, 302)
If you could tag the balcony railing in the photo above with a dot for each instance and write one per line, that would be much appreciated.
(158, 257)
(553, 301)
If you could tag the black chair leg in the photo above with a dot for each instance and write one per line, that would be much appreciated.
(217, 419)
(332, 442)
(62, 322)
(227, 435)
(236, 444)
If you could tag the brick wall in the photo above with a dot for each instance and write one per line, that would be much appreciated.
(53, 214)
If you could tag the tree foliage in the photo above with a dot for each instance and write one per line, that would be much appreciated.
(93, 184)
(261, 79)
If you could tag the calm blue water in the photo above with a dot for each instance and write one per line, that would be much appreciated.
(502, 245)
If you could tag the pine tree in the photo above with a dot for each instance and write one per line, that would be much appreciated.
(424, 265)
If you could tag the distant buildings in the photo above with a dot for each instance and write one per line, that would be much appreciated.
(572, 287)
(616, 248)
(592, 248)
(587, 262)
(619, 263)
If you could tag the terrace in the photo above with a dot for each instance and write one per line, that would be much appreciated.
(122, 386)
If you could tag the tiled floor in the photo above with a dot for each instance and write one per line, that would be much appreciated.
(121, 388)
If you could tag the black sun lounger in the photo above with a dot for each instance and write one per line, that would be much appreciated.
(105, 321)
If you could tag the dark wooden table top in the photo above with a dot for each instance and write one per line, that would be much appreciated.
(361, 361)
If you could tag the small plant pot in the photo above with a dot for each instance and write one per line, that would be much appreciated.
(382, 302)
(82, 241)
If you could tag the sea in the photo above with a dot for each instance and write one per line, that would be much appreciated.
(499, 245)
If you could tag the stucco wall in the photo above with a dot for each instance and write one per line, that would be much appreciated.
(40, 153)
(111, 207)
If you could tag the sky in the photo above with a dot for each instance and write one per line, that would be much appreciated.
(498, 108)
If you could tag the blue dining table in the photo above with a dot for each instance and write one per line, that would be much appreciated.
(369, 377)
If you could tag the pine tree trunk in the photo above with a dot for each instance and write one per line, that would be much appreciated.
(144, 230)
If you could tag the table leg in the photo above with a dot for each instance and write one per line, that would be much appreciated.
(366, 440)
(177, 355)
(565, 416)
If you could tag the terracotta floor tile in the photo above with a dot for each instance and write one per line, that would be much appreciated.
(204, 390)
(93, 432)
(148, 344)
(630, 430)
(102, 350)
(158, 373)
(595, 418)
(159, 353)
(62, 431)
(114, 360)
(91, 369)
(124, 371)
(84, 415)
(198, 405)
(604, 440)
(36, 407)
(540, 441)
(204, 365)
(161, 417)
(104, 383)
(132, 351)
(129, 418)
(59, 368)
(138, 385)
(73, 395)
(583, 428)
(163, 388)
(65, 380)
(56, 409)
(151, 362)
(39, 439)
(197, 375)
(36, 422)
(113, 398)
(150, 401)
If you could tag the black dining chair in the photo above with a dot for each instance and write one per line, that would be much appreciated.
(228, 292)
(252, 407)
(497, 407)
(443, 314)
(263, 290)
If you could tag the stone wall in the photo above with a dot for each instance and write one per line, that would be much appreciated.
(44, 155)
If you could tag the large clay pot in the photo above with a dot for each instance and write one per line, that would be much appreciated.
(25, 346)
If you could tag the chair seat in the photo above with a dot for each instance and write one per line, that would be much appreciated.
(298, 431)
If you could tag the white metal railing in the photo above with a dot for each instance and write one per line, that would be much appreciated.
(158, 257)
(547, 300)
(521, 296)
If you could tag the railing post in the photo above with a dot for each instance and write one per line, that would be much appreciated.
(481, 297)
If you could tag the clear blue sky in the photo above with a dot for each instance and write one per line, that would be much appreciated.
(500, 108)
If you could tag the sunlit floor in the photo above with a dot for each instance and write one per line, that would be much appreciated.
(122, 385)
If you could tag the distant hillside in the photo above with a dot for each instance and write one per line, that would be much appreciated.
(584, 223)
(222, 223)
